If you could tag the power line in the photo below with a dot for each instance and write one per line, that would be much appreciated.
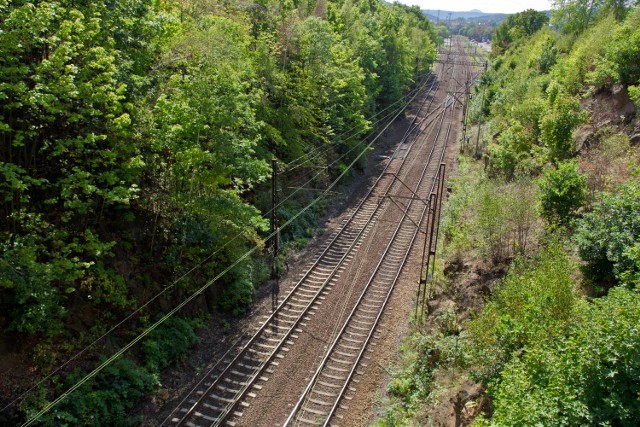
(148, 330)
(172, 285)
(288, 166)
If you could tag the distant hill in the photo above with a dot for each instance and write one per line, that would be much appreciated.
(475, 13)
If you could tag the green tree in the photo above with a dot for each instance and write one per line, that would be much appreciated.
(620, 61)
(515, 27)
(562, 192)
(562, 115)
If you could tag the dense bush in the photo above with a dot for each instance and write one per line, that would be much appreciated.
(608, 237)
(168, 343)
(563, 114)
(104, 400)
(562, 192)
(533, 305)
(620, 61)
(588, 376)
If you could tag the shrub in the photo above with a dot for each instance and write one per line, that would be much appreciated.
(561, 117)
(588, 377)
(606, 237)
(532, 305)
(491, 223)
(105, 400)
(562, 192)
(572, 70)
(169, 342)
(620, 62)
(237, 296)
(634, 94)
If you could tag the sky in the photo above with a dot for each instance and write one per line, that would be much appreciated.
(493, 6)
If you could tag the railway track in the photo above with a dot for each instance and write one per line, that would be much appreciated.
(328, 386)
(220, 397)
(214, 400)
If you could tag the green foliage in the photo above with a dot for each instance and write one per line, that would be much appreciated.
(587, 377)
(575, 16)
(453, 227)
(491, 221)
(608, 237)
(572, 70)
(533, 305)
(105, 400)
(512, 149)
(620, 60)
(423, 355)
(557, 124)
(634, 94)
(168, 343)
(146, 112)
(237, 296)
(562, 192)
(495, 218)
(34, 305)
(517, 26)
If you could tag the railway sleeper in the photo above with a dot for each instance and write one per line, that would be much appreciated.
(349, 347)
(337, 369)
(315, 411)
(326, 384)
(333, 377)
(227, 389)
(374, 308)
(236, 383)
(311, 283)
(248, 367)
(214, 408)
(369, 312)
(290, 316)
(264, 345)
(367, 318)
(342, 353)
(206, 417)
(293, 304)
(344, 362)
(299, 418)
(220, 398)
(319, 402)
(325, 393)
(357, 334)
(359, 328)
(304, 301)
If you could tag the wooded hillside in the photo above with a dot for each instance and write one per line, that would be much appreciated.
(533, 318)
(136, 141)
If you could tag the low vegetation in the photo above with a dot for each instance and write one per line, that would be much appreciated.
(552, 338)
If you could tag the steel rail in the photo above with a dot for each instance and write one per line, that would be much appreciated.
(286, 301)
(313, 381)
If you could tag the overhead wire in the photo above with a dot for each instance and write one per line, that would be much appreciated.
(192, 296)
(149, 329)
(422, 85)
(288, 166)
